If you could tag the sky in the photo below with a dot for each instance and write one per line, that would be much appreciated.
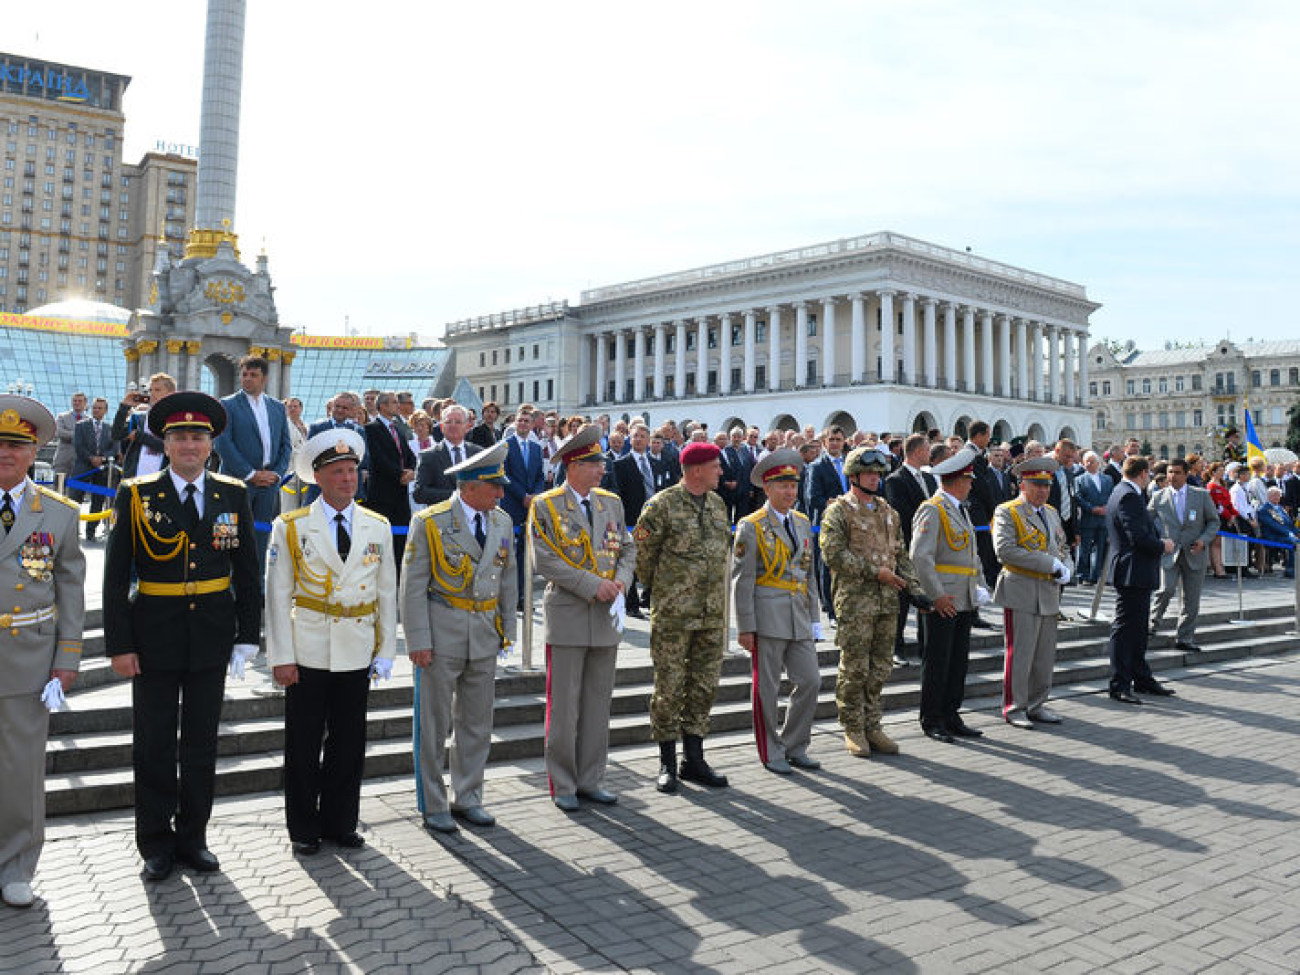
(408, 164)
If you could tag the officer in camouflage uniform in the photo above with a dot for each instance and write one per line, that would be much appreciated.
(862, 545)
(683, 542)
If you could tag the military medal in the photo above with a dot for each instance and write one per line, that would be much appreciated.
(613, 539)
(372, 554)
(225, 531)
(503, 553)
(37, 556)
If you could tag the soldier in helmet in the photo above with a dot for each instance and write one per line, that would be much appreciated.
(862, 546)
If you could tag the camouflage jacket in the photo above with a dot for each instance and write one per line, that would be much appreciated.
(682, 551)
(856, 542)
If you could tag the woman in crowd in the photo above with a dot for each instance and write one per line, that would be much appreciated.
(1235, 554)
(1227, 516)
(422, 428)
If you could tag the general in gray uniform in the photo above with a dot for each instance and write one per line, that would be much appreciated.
(1030, 544)
(458, 596)
(774, 591)
(582, 549)
(41, 572)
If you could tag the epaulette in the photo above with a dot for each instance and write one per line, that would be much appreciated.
(554, 492)
(754, 517)
(605, 494)
(438, 508)
(297, 513)
(227, 479)
(799, 514)
(143, 479)
(373, 514)
(55, 496)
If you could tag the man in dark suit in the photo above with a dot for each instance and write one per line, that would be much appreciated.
(1092, 490)
(392, 468)
(666, 469)
(1135, 552)
(142, 452)
(826, 481)
(1061, 494)
(525, 478)
(738, 460)
(432, 483)
(982, 501)
(635, 481)
(186, 537)
(342, 408)
(808, 453)
(906, 490)
(92, 441)
(1004, 487)
(255, 447)
(485, 434)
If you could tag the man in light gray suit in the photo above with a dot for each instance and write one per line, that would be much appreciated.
(1187, 515)
(65, 453)
(1031, 545)
(582, 548)
(458, 593)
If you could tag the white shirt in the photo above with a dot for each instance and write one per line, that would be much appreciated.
(471, 514)
(330, 513)
(258, 405)
(180, 484)
(16, 495)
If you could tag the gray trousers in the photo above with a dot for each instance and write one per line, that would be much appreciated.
(24, 726)
(1031, 655)
(456, 695)
(799, 659)
(1192, 580)
(579, 686)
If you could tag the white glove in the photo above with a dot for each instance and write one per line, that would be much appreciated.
(52, 697)
(240, 657)
(1061, 570)
(618, 610)
(817, 631)
(381, 669)
(982, 597)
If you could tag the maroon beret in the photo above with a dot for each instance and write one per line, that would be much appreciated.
(699, 453)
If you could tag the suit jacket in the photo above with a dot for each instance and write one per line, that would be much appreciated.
(629, 484)
(432, 484)
(304, 634)
(240, 444)
(320, 426)
(1291, 492)
(1275, 525)
(388, 459)
(527, 476)
(946, 561)
(1027, 551)
(87, 445)
(31, 652)
(64, 453)
(1089, 496)
(823, 484)
(904, 496)
(483, 435)
(1002, 484)
(558, 523)
(775, 612)
(1200, 524)
(132, 436)
(983, 499)
(1054, 498)
(1135, 545)
(739, 463)
(489, 579)
(181, 632)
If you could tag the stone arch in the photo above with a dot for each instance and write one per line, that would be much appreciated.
(784, 421)
(1037, 432)
(218, 377)
(961, 426)
(1067, 433)
(732, 421)
(1002, 431)
(924, 422)
(842, 419)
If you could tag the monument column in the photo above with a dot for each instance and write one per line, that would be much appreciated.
(175, 349)
(858, 338)
(828, 340)
(286, 360)
(638, 364)
(929, 352)
(276, 380)
(679, 371)
(194, 365)
(774, 347)
(800, 377)
(724, 354)
(751, 351)
(888, 366)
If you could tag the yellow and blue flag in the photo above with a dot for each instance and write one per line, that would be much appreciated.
(1253, 447)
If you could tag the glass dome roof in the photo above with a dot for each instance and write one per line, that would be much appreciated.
(82, 310)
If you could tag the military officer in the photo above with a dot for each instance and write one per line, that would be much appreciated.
(41, 571)
(458, 592)
(683, 544)
(1031, 545)
(187, 538)
(582, 549)
(331, 623)
(947, 564)
(774, 592)
(862, 545)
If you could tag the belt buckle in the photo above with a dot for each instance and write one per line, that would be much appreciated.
(191, 588)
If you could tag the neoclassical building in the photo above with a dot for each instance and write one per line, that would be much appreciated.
(882, 331)
(1180, 400)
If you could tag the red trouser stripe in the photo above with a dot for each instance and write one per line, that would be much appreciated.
(1008, 627)
(756, 701)
(549, 785)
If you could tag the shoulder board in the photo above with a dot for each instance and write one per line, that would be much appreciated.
(799, 515)
(370, 513)
(754, 517)
(554, 492)
(1052, 507)
(227, 479)
(143, 480)
(297, 513)
(438, 508)
(605, 494)
(55, 496)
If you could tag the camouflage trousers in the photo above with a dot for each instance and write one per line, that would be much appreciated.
(687, 665)
(866, 659)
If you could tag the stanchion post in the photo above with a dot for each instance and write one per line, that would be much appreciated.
(1102, 579)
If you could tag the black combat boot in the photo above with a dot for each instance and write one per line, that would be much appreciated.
(667, 781)
(695, 768)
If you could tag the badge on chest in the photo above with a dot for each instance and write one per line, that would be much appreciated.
(37, 556)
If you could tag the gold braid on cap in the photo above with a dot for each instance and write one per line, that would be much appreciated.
(12, 424)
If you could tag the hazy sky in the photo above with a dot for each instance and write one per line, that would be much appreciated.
(408, 164)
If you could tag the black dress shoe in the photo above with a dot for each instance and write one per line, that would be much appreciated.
(306, 848)
(1125, 697)
(1155, 689)
(938, 734)
(1188, 647)
(960, 729)
(159, 868)
(600, 796)
(201, 860)
(349, 841)
(636, 614)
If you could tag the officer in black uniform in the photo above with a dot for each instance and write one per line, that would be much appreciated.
(187, 535)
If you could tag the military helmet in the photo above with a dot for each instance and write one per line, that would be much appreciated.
(867, 460)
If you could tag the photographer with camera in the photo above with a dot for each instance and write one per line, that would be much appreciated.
(142, 452)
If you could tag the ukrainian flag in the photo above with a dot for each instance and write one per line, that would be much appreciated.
(1253, 446)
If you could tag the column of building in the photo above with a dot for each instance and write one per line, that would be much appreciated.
(601, 370)
(620, 366)
(774, 347)
(909, 340)
(751, 354)
(1022, 358)
(858, 338)
(1068, 384)
(702, 356)
(929, 346)
(638, 365)
(724, 355)
(1037, 359)
(828, 340)
(888, 365)
(800, 377)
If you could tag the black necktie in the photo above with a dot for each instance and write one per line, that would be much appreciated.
(455, 457)
(341, 536)
(7, 513)
(190, 505)
(480, 535)
(789, 530)
(591, 519)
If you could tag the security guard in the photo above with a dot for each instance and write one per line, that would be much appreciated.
(947, 564)
(458, 593)
(683, 543)
(331, 621)
(862, 545)
(187, 538)
(582, 549)
(774, 591)
(1030, 543)
(41, 573)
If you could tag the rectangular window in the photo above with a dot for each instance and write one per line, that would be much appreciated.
(1132, 387)
(1180, 419)
(760, 331)
(550, 389)
(1146, 421)
(1178, 384)
(537, 351)
(1255, 379)
(507, 357)
(1105, 387)
(737, 334)
(1092, 388)
(1197, 417)
(1164, 385)
(760, 376)
(690, 340)
(1146, 387)
(1196, 382)
(1276, 415)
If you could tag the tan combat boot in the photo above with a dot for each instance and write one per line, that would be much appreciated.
(881, 742)
(856, 744)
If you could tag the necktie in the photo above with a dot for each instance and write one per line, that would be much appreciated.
(646, 475)
(1042, 516)
(455, 456)
(341, 537)
(7, 513)
(591, 519)
(480, 535)
(789, 530)
(839, 469)
(920, 482)
(1180, 505)
(397, 439)
(190, 505)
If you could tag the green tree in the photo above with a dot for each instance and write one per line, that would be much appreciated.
(1293, 428)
